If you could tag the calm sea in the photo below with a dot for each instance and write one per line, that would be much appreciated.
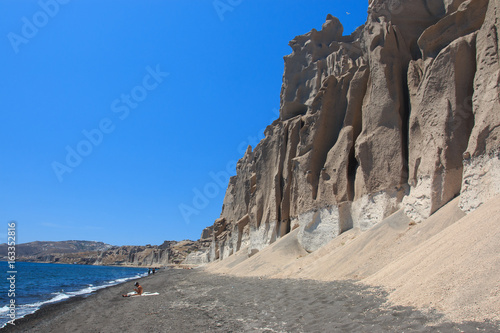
(39, 284)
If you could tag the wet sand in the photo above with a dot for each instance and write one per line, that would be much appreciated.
(195, 301)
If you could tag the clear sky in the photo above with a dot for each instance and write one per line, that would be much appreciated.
(121, 121)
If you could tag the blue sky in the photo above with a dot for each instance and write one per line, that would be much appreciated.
(121, 120)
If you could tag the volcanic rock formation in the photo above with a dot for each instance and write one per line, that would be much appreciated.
(403, 113)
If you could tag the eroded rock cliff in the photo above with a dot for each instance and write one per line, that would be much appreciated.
(403, 113)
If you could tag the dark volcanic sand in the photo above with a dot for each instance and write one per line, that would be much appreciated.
(194, 301)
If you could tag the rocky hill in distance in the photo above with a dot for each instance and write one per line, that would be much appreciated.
(35, 249)
(99, 253)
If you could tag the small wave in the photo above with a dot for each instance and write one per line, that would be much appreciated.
(59, 297)
(83, 291)
(118, 281)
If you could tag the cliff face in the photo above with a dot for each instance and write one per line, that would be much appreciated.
(403, 113)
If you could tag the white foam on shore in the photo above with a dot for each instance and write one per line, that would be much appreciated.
(26, 309)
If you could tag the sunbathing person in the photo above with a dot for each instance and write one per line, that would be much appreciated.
(138, 291)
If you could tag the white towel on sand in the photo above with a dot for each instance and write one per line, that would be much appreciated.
(134, 294)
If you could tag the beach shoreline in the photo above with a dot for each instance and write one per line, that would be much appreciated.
(50, 306)
(194, 300)
(125, 266)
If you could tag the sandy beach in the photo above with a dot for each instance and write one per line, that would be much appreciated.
(196, 301)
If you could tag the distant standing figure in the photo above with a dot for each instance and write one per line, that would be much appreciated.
(149, 271)
(138, 290)
(153, 270)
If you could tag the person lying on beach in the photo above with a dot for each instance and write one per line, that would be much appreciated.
(138, 291)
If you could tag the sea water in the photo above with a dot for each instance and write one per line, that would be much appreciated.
(39, 284)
